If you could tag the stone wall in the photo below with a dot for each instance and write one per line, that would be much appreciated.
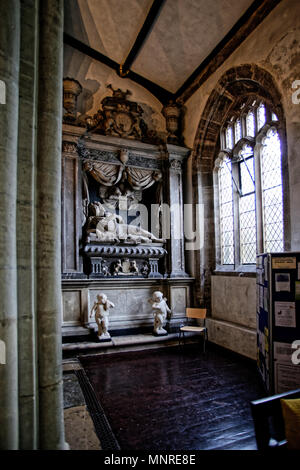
(268, 59)
(233, 321)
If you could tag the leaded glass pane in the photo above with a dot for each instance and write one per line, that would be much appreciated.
(247, 208)
(246, 151)
(247, 229)
(261, 116)
(226, 212)
(272, 192)
(250, 124)
(247, 170)
(229, 137)
(237, 130)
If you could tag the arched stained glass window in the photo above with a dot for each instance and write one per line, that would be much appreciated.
(250, 189)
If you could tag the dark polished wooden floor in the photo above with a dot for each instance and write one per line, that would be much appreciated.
(172, 399)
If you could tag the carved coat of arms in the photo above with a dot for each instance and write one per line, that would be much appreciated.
(119, 116)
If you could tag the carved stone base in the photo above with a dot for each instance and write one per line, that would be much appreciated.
(162, 332)
(104, 337)
(123, 260)
(132, 310)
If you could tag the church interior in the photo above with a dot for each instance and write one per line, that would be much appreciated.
(150, 222)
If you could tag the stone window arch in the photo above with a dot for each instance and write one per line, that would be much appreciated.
(239, 86)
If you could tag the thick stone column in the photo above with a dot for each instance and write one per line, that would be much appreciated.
(48, 223)
(9, 74)
(28, 402)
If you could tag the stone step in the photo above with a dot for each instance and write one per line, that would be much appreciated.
(125, 342)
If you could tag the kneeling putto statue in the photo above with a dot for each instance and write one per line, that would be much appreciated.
(101, 309)
(160, 312)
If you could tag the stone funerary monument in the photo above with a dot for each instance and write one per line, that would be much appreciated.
(118, 235)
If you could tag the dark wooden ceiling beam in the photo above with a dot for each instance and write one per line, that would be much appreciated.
(253, 16)
(143, 34)
(85, 49)
(164, 96)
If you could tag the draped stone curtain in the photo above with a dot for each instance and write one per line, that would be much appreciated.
(31, 48)
(110, 174)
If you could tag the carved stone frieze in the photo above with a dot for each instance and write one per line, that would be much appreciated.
(133, 159)
(108, 250)
(105, 260)
(69, 147)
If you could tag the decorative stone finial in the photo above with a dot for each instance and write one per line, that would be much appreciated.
(173, 114)
(72, 89)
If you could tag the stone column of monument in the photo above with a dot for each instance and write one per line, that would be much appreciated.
(48, 223)
(9, 74)
(176, 157)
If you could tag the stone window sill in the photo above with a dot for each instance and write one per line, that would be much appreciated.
(240, 271)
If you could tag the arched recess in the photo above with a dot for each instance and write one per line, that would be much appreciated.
(235, 86)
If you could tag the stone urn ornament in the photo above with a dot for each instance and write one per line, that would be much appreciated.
(101, 310)
(173, 114)
(71, 90)
(160, 312)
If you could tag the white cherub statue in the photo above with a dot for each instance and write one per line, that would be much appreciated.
(160, 310)
(101, 308)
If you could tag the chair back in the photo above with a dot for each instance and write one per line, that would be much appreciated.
(196, 313)
(268, 419)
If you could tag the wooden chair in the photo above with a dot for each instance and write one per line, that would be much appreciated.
(196, 314)
(268, 420)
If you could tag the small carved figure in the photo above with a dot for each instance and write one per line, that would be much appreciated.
(133, 267)
(160, 311)
(145, 269)
(101, 308)
(117, 268)
(105, 270)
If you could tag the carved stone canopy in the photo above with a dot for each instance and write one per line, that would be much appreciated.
(109, 174)
(119, 181)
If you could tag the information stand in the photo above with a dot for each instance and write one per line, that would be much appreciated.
(278, 320)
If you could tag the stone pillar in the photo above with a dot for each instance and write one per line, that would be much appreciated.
(28, 402)
(48, 223)
(9, 75)
(176, 157)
